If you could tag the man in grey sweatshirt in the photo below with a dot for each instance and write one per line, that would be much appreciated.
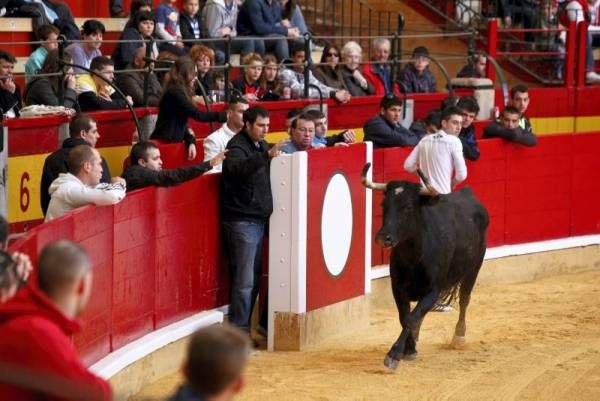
(219, 19)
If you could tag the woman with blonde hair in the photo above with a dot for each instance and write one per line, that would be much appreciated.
(355, 81)
(176, 106)
(248, 83)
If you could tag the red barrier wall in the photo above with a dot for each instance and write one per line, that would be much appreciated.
(156, 256)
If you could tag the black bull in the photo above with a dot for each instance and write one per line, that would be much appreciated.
(438, 248)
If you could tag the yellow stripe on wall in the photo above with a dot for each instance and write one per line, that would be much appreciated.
(552, 125)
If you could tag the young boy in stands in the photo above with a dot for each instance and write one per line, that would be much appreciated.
(167, 23)
(48, 35)
(416, 76)
(146, 168)
(95, 93)
(214, 369)
(470, 108)
(321, 138)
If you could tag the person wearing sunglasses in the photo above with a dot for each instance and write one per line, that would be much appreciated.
(329, 70)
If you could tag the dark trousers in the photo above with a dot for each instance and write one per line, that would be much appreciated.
(243, 243)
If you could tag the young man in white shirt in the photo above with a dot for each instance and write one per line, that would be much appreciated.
(440, 155)
(81, 185)
(216, 142)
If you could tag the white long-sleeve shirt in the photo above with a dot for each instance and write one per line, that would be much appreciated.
(216, 143)
(68, 192)
(440, 157)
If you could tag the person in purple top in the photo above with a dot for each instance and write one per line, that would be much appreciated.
(83, 53)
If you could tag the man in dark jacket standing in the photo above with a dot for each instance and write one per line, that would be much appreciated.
(83, 131)
(246, 205)
(385, 130)
(146, 168)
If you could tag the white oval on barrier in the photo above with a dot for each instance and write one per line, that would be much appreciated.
(336, 224)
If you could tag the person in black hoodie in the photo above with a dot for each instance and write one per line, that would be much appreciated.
(10, 93)
(146, 168)
(246, 204)
(83, 131)
(176, 106)
(44, 90)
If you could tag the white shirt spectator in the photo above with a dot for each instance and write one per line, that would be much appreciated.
(216, 143)
(439, 156)
(68, 192)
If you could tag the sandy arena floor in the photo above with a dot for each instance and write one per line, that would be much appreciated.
(533, 341)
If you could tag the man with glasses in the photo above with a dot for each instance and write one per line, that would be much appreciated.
(301, 135)
(416, 76)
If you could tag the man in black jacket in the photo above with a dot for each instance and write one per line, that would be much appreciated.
(469, 107)
(385, 130)
(146, 168)
(83, 131)
(246, 205)
(507, 128)
(10, 93)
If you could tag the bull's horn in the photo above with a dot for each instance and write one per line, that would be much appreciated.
(367, 183)
(428, 190)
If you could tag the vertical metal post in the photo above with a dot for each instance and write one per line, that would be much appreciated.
(351, 18)
(582, 29)
(61, 53)
(492, 48)
(147, 66)
(227, 67)
(370, 34)
(307, 63)
(570, 54)
(343, 18)
(379, 22)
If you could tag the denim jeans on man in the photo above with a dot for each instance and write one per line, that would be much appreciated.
(243, 243)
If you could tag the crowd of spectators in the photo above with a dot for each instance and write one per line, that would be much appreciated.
(274, 68)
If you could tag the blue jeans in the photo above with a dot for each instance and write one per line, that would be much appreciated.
(243, 242)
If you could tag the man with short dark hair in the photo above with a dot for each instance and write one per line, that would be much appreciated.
(507, 128)
(440, 155)
(519, 99)
(95, 93)
(246, 205)
(215, 363)
(386, 129)
(10, 92)
(81, 185)
(321, 138)
(476, 66)
(36, 327)
(470, 108)
(83, 131)
(216, 142)
(146, 168)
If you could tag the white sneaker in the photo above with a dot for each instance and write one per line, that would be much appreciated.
(442, 308)
(592, 78)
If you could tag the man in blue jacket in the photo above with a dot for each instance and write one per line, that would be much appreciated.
(385, 130)
(263, 18)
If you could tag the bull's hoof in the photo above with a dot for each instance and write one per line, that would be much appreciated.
(410, 357)
(391, 363)
(458, 342)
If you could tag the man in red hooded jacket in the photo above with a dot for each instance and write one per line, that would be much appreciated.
(37, 358)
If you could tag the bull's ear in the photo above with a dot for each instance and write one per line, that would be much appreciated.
(398, 190)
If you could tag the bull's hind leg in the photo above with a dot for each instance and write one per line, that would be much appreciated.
(465, 297)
